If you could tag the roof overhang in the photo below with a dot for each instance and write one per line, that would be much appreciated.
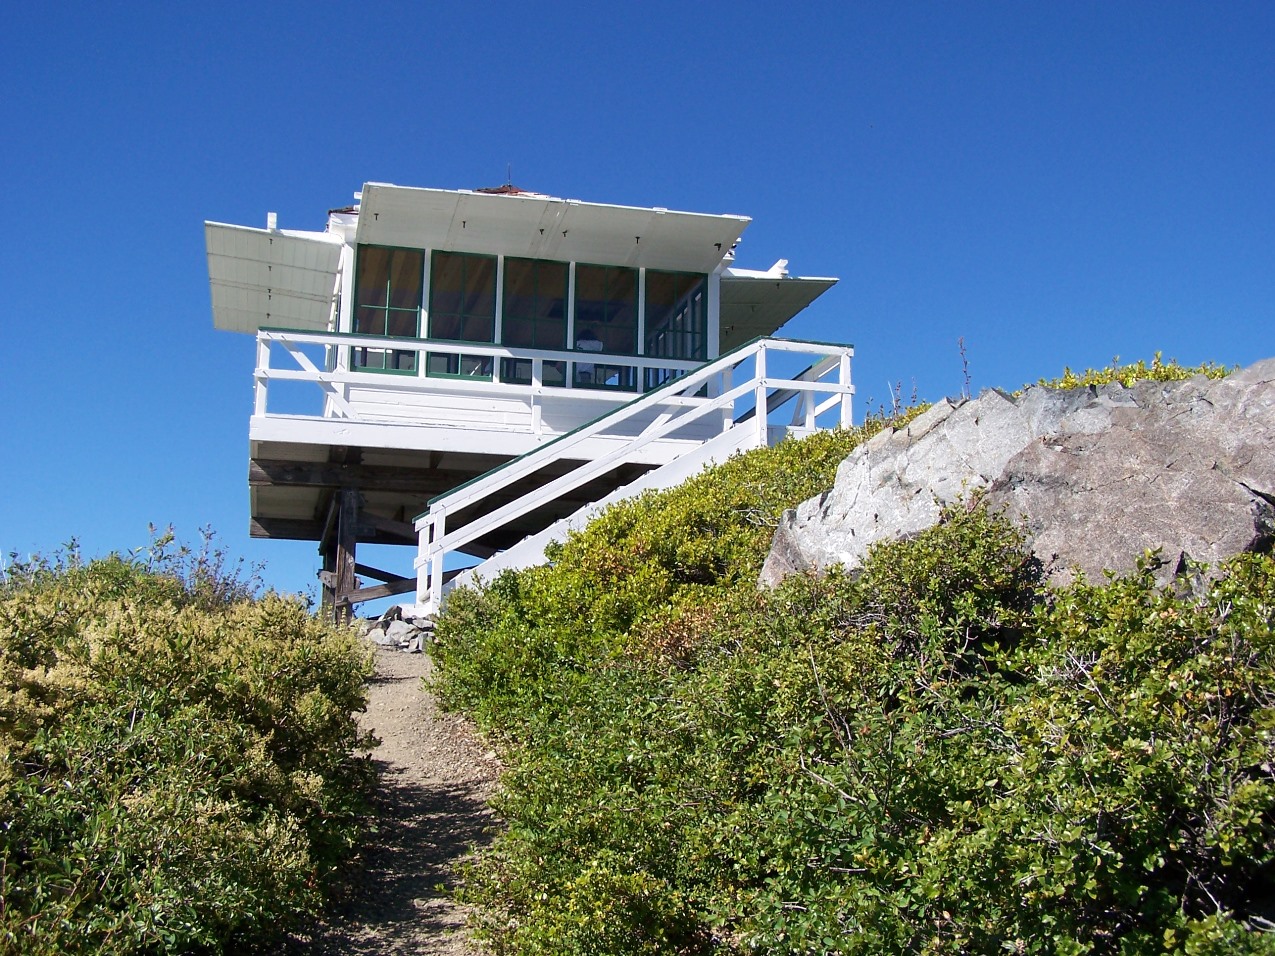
(535, 226)
(756, 305)
(271, 277)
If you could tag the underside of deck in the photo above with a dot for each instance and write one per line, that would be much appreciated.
(341, 496)
(293, 488)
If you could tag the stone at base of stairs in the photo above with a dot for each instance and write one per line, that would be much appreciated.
(400, 627)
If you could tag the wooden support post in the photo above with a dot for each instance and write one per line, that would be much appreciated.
(327, 555)
(347, 526)
(327, 578)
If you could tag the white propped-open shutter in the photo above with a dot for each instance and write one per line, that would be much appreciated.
(265, 277)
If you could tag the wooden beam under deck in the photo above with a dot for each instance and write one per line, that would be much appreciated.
(321, 474)
(388, 589)
(358, 503)
(402, 530)
(370, 572)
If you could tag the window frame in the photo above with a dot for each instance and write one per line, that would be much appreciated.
(454, 366)
(518, 371)
(387, 311)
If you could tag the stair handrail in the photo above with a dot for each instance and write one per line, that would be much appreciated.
(527, 463)
(433, 522)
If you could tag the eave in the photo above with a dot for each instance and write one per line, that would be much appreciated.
(543, 227)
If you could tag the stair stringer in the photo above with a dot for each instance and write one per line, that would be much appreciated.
(530, 551)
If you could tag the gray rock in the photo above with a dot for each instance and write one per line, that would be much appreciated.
(1096, 476)
(400, 631)
(379, 636)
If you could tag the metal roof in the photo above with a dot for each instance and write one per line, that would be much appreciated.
(288, 278)
(265, 277)
(758, 305)
(543, 227)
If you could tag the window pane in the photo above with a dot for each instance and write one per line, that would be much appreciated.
(551, 290)
(373, 276)
(402, 322)
(518, 333)
(446, 270)
(444, 325)
(462, 297)
(606, 305)
(622, 295)
(382, 360)
(520, 285)
(535, 304)
(405, 278)
(369, 321)
(480, 286)
(518, 371)
(387, 298)
(477, 328)
(676, 315)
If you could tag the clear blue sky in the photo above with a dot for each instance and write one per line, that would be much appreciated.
(1056, 183)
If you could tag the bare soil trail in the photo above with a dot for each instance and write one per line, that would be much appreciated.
(436, 779)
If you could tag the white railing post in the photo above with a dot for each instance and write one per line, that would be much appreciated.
(759, 395)
(261, 376)
(537, 395)
(437, 528)
(847, 396)
(728, 411)
(422, 565)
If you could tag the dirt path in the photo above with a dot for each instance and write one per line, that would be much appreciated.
(436, 778)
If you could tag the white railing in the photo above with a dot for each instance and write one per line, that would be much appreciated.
(283, 355)
(669, 408)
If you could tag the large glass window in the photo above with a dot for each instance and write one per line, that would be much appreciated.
(534, 308)
(676, 315)
(606, 312)
(676, 319)
(462, 308)
(387, 301)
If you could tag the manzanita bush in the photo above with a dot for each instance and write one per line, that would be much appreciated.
(180, 769)
(939, 753)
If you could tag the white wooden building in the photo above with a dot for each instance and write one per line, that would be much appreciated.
(459, 370)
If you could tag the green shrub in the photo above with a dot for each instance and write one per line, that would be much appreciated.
(1139, 371)
(508, 650)
(180, 764)
(925, 757)
(938, 753)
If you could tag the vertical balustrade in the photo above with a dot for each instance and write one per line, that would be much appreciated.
(260, 379)
(759, 395)
(847, 396)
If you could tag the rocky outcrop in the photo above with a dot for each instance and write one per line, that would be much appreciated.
(1096, 476)
(400, 627)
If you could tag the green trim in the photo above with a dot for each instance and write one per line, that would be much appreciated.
(461, 376)
(283, 329)
(383, 371)
(468, 365)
